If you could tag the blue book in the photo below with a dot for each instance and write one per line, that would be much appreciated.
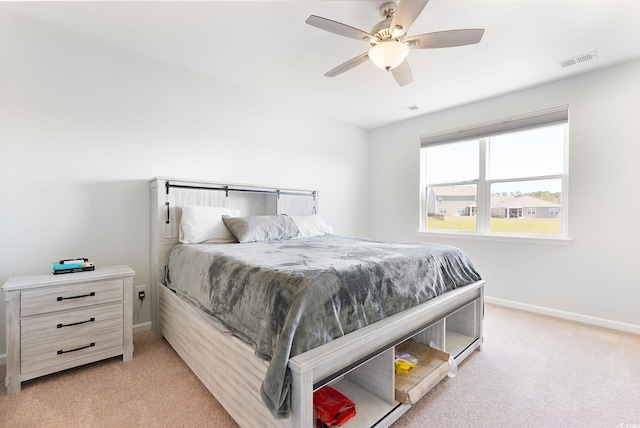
(62, 266)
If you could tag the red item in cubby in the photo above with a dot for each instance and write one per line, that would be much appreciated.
(332, 408)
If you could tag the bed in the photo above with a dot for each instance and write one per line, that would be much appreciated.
(262, 362)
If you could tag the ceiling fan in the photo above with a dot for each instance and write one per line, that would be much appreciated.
(390, 44)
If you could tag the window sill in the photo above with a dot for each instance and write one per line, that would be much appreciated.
(547, 240)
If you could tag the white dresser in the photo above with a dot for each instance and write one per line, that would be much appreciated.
(55, 322)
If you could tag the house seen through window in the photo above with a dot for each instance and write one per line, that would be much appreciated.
(504, 178)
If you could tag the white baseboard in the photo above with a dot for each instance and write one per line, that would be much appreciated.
(143, 326)
(601, 322)
(3, 359)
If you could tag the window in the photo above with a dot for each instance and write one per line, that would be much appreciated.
(502, 178)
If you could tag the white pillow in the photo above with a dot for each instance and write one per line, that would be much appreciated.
(311, 225)
(203, 224)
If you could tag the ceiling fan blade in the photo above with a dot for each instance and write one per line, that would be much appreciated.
(405, 15)
(339, 28)
(402, 73)
(445, 39)
(345, 66)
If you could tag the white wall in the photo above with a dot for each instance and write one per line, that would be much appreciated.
(84, 126)
(595, 278)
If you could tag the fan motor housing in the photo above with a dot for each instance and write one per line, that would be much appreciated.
(381, 29)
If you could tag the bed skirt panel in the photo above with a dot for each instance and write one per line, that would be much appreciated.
(208, 351)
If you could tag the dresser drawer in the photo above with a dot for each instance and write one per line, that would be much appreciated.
(52, 299)
(45, 344)
(60, 326)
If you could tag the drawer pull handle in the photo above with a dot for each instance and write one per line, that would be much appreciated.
(77, 349)
(77, 297)
(92, 319)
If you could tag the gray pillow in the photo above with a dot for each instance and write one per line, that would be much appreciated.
(261, 227)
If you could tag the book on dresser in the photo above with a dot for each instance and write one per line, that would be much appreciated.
(72, 265)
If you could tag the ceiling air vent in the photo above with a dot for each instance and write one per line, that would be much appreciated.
(578, 59)
(410, 108)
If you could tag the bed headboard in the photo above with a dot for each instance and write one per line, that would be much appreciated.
(169, 195)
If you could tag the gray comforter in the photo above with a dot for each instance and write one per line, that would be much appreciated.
(286, 297)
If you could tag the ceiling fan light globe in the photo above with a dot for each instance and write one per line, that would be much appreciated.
(388, 55)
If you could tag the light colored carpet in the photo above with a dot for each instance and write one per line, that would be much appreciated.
(155, 389)
(539, 371)
(533, 371)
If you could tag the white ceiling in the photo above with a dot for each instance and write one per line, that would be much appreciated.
(265, 46)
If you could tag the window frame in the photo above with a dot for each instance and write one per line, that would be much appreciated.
(482, 133)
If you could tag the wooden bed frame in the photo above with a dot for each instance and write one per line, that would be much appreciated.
(359, 364)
